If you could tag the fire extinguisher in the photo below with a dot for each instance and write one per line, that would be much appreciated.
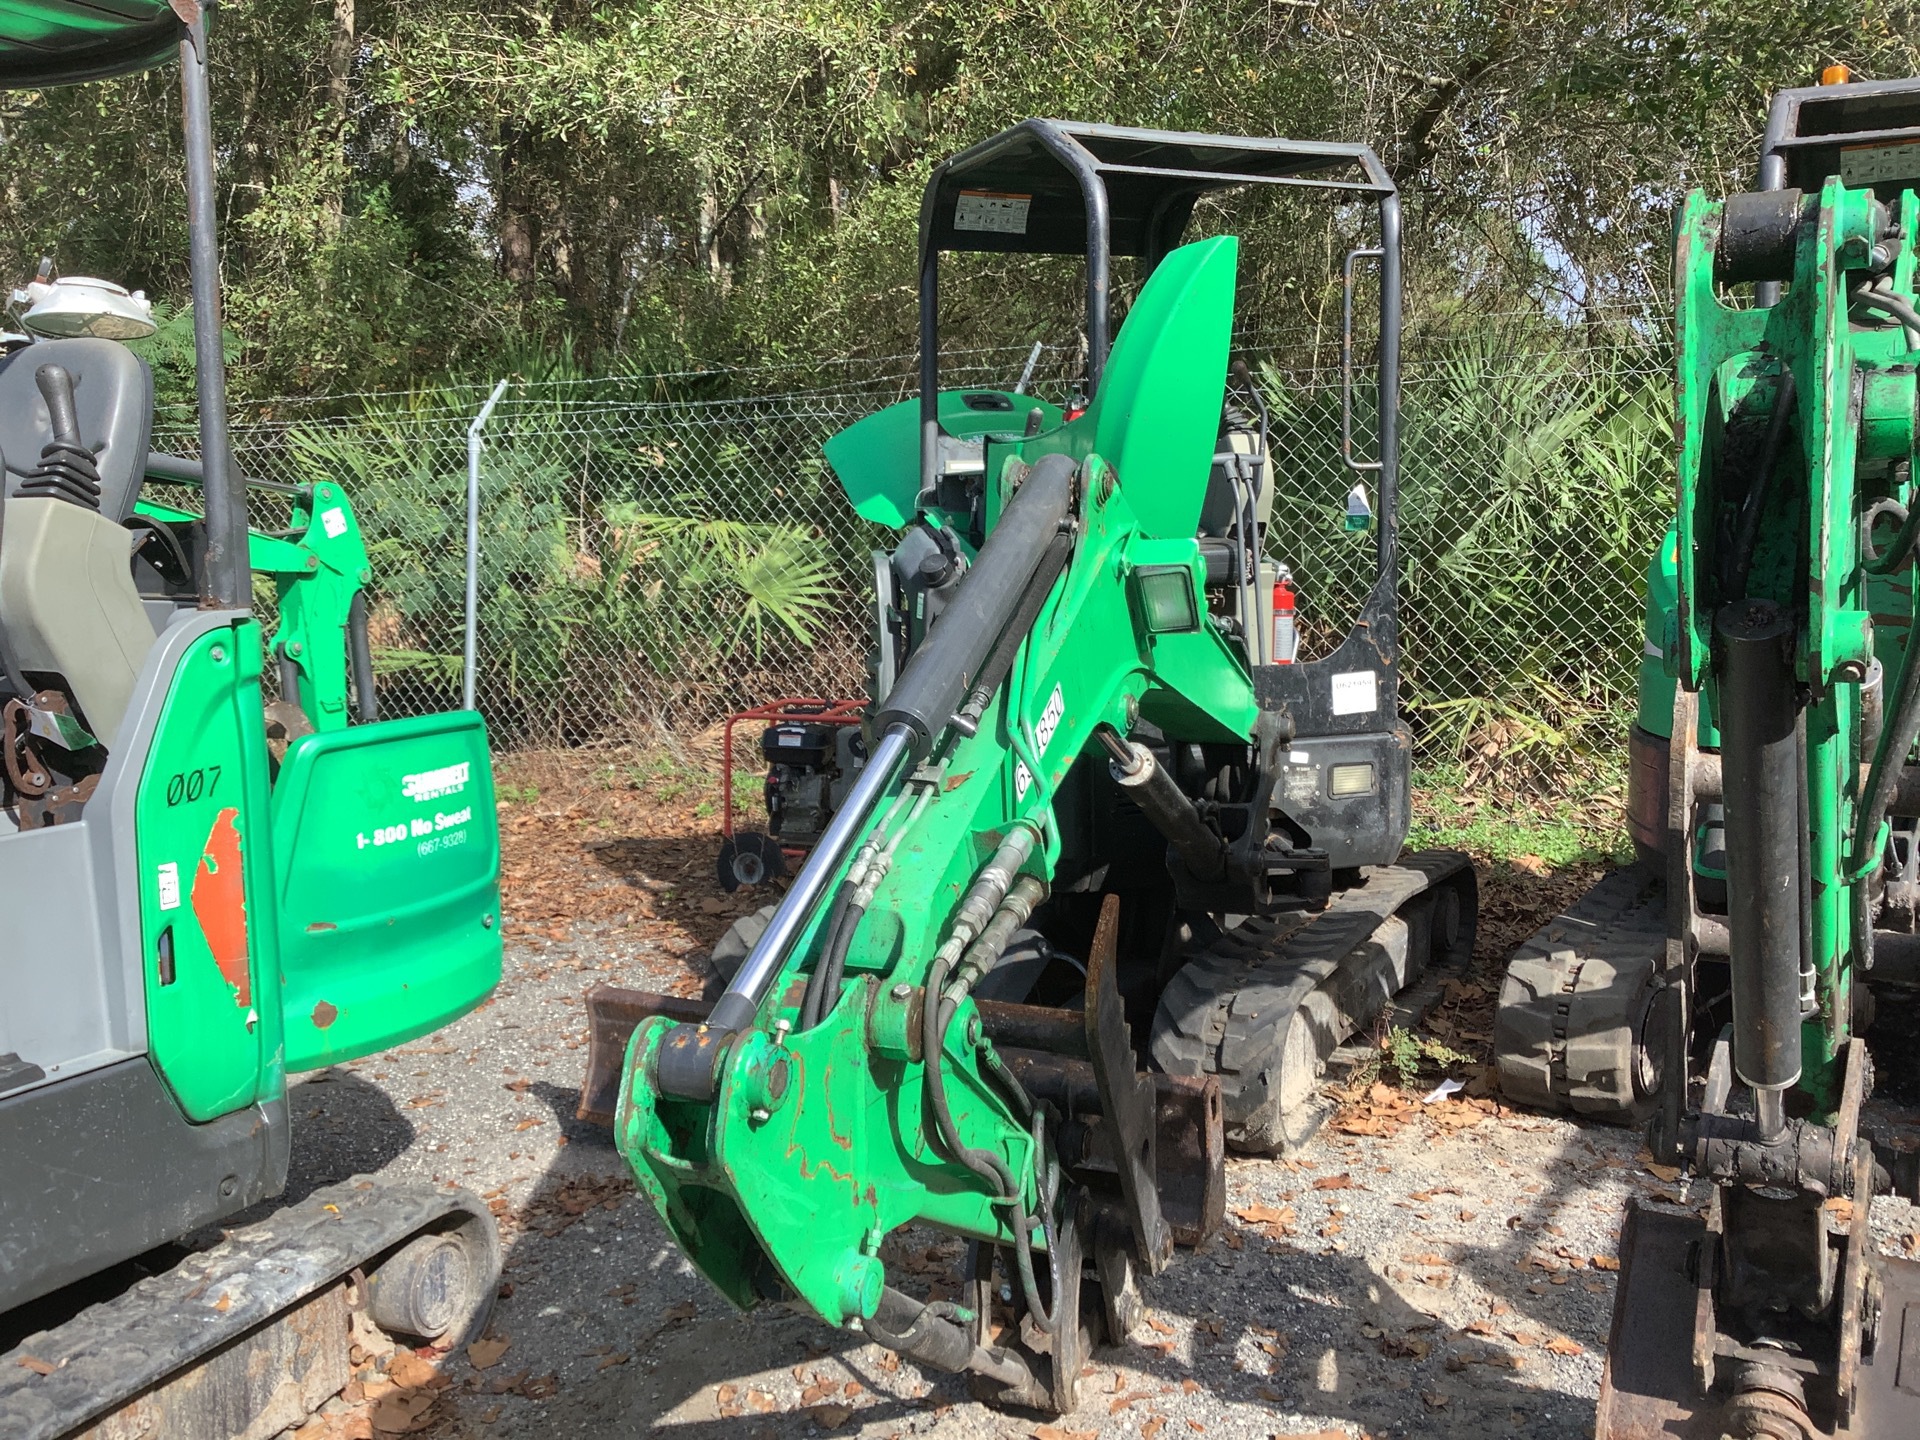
(1286, 635)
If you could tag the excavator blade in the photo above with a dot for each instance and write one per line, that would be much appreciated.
(1663, 1319)
(1648, 1388)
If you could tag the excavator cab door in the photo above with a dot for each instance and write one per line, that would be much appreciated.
(388, 859)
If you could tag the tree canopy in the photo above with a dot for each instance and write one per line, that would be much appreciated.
(473, 186)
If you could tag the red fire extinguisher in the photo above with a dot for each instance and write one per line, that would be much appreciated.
(1286, 635)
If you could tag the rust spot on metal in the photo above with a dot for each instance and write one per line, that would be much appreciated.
(324, 1015)
(845, 1142)
(319, 926)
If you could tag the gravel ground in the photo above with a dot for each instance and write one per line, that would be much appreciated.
(1443, 1271)
(1452, 1277)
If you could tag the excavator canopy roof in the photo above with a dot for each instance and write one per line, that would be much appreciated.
(62, 42)
(1027, 188)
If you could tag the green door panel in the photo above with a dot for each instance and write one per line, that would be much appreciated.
(1156, 416)
(205, 853)
(389, 884)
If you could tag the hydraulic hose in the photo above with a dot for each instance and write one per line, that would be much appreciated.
(936, 1014)
(841, 921)
(1896, 306)
(1898, 733)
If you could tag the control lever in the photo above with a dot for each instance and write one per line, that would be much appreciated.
(67, 470)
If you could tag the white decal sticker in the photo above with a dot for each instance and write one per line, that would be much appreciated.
(1871, 164)
(1049, 720)
(1300, 757)
(169, 878)
(791, 737)
(435, 784)
(1022, 779)
(334, 522)
(1356, 692)
(990, 210)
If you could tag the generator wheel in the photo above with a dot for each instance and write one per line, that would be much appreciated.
(749, 858)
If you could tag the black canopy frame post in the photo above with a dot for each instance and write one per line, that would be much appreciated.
(226, 579)
(1105, 190)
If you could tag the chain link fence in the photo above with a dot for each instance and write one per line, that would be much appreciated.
(656, 551)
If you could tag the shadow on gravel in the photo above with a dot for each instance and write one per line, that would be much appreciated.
(642, 862)
(342, 1126)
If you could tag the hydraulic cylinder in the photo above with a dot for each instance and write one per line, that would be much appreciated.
(1759, 758)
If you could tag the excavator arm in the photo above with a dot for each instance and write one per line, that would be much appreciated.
(1796, 686)
(847, 1084)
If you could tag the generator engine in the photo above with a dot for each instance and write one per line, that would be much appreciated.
(810, 767)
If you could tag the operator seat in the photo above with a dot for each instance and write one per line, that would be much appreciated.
(68, 603)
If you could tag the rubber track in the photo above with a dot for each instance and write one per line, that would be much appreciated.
(115, 1350)
(1228, 1010)
(1573, 999)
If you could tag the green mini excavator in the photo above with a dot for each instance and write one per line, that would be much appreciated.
(1117, 873)
(207, 889)
(1719, 990)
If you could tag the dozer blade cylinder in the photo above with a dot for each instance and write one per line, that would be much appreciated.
(1760, 763)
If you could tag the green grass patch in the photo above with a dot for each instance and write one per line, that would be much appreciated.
(1581, 824)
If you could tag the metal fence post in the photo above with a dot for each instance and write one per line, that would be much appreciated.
(473, 545)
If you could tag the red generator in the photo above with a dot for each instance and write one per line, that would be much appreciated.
(814, 752)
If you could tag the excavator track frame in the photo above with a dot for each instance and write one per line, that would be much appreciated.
(1263, 1006)
(251, 1335)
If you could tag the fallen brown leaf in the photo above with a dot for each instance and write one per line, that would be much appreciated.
(484, 1354)
(36, 1365)
(402, 1412)
(1342, 1181)
(410, 1372)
